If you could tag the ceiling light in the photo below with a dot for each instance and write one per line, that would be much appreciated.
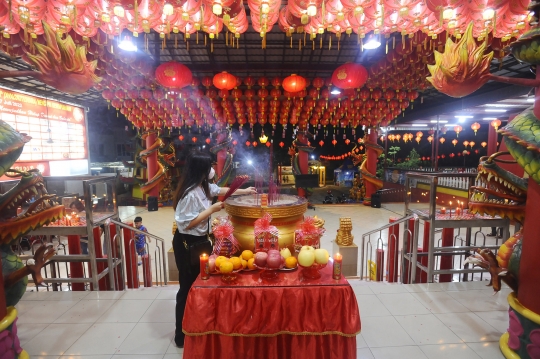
(127, 44)
(494, 110)
(335, 92)
(489, 118)
(440, 121)
(419, 124)
(463, 116)
(530, 99)
(372, 43)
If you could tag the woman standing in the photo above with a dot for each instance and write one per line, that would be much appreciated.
(193, 203)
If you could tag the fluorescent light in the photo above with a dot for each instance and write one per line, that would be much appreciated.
(503, 105)
(494, 110)
(96, 168)
(530, 99)
(463, 116)
(419, 124)
(489, 118)
(335, 92)
(127, 45)
(372, 44)
(440, 121)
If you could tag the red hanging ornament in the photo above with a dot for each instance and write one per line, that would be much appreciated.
(173, 75)
(294, 83)
(350, 75)
(193, 139)
(281, 144)
(224, 81)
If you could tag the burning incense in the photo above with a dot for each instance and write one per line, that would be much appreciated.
(236, 183)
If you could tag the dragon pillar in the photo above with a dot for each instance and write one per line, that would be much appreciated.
(224, 153)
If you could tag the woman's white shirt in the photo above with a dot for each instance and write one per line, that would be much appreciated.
(189, 207)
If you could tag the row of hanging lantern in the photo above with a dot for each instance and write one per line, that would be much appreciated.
(502, 19)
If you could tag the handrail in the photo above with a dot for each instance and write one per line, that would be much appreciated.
(163, 254)
(386, 226)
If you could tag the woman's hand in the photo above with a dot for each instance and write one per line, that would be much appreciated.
(250, 190)
(216, 207)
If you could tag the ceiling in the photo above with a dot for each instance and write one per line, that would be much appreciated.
(280, 58)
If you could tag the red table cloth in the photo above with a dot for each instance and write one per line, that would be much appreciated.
(284, 318)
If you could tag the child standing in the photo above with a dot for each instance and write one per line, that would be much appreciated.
(140, 239)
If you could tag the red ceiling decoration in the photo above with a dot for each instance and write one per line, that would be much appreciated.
(350, 76)
(173, 75)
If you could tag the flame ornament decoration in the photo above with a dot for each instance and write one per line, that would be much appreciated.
(463, 67)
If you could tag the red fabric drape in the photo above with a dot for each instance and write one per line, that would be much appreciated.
(312, 318)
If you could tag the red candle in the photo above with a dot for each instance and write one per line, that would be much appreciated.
(205, 269)
(338, 261)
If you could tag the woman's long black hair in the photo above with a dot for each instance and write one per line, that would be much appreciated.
(195, 172)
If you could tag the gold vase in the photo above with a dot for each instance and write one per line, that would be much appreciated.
(245, 210)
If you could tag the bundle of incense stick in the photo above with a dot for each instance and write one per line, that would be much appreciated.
(236, 183)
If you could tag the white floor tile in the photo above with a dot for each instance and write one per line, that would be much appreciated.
(134, 356)
(55, 339)
(167, 294)
(41, 295)
(27, 331)
(402, 304)
(426, 329)
(360, 342)
(141, 293)
(488, 350)
(481, 300)
(85, 357)
(85, 311)
(424, 287)
(461, 286)
(497, 319)
(439, 302)
(371, 306)
(364, 353)
(160, 311)
(125, 311)
(387, 288)
(45, 311)
(449, 351)
(469, 327)
(174, 356)
(101, 338)
(107, 295)
(362, 289)
(148, 338)
(384, 332)
(67, 295)
(410, 352)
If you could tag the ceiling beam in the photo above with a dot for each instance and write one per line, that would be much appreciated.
(450, 105)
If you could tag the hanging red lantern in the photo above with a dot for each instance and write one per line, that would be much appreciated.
(483, 144)
(441, 140)
(454, 142)
(268, 144)
(334, 142)
(254, 144)
(173, 75)
(224, 81)
(321, 143)
(181, 137)
(495, 124)
(235, 142)
(475, 127)
(248, 143)
(350, 75)
(294, 83)
(208, 141)
(347, 141)
(458, 129)
(193, 139)
(281, 144)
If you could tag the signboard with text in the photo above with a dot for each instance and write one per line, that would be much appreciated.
(58, 130)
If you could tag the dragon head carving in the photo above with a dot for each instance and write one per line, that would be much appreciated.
(500, 193)
(38, 206)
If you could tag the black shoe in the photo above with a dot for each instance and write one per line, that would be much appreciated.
(179, 340)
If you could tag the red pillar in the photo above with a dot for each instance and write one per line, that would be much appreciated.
(103, 282)
(130, 255)
(371, 167)
(446, 260)
(147, 270)
(393, 251)
(3, 308)
(75, 268)
(303, 158)
(405, 273)
(152, 163)
(529, 270)
(118, 284)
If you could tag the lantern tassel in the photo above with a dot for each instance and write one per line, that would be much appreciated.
(175, 41)
(320, 42)
(330, 43)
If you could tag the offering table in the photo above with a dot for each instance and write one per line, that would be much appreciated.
(284, 318)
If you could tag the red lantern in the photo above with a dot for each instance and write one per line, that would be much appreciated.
(347, 141)
(475, 127)
(181, 137)
(268, 144)
(281, 144)
(495, 123)
(350, 75)
(248, 143)
(334, 142)
(173, 75)
(224, 81)
(193, 139)
(254, 144)
(321, 143)
(458, 129)
(294, 83)
(208, 141)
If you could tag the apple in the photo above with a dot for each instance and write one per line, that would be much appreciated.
(307, 248)
(274, 261)
(306, 258)
(272, 252)
(260, 259)
(285, 253)
(321, 256)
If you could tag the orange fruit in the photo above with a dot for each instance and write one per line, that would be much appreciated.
(244, 264)
(250, 263)
(220, 260)
(247, 254)
(226, 267)
(236, 262)
(290, 262)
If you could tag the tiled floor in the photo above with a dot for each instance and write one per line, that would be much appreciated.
(398, 321)
(448, 320)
